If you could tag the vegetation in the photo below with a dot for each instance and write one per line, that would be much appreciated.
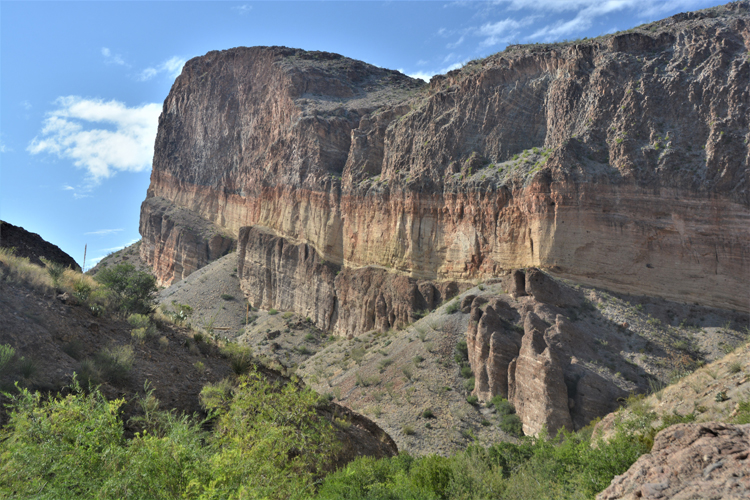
(267, 442)
(132, 291)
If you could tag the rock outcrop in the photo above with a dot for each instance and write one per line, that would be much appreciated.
(33, 247)
(708, 461)
(539, 369)
(620, 161)
(277, 273)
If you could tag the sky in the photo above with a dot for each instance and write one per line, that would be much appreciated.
(82, 83)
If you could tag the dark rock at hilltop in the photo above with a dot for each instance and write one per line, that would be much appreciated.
(33, 246)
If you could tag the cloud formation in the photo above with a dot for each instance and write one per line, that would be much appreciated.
(104, 232)
(102, 137)
(172, 67)
(110, 58)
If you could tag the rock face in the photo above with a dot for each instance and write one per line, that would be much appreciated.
(621, 162)
(539, 370)
(275, 272)
(33, 247)
(707, 461)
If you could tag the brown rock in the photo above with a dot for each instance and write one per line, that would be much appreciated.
(639, 188)
(547, 290)
(538, 389)
(707, 461)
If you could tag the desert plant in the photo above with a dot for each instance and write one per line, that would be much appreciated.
(27, 367)
(240, 357)
(408, 430)
(272, 312)
(133, 291)
(427, 413)
(55, 271)
(735, 367)
(226, 296)
(7, 353)
(472, 400)
(115, 363)
(407, 371)
(452, 307)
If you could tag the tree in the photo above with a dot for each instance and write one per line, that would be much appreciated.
(133, 291)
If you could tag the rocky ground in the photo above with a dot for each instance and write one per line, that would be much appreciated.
(642, 343)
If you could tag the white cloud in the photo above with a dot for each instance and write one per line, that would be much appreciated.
(4, 148)
(456, 43)
(66, 187)
(243, 9)
(172, 67)
(426, 75)
(25, 105)
(104, 232)
(126, 144)
(110, 58)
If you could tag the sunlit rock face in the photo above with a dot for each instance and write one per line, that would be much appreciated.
(620, 161)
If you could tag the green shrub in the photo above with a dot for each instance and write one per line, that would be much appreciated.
(132, 291)
(240, 357)
(7, 353)
(469, 384)
(408, 430)
(452, 307)
(272, 312)
(466, 371)
(27, 367)
(743, 412)
(462, 352)
(55, 271)
(473, 400)
(512, 425)
(226, 296)
(114, 363)
(427, 413)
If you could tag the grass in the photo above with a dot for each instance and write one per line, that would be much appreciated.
(226, 296)
(452, 307)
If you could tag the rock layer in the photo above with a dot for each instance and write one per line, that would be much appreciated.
(707, 461)
(621, 162)
(277, 273)
(539, 370)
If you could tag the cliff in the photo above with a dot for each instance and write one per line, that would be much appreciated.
(620, 161)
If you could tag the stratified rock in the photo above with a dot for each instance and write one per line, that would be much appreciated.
(33, 247)
(547, 290)
(492, 345)
(278, 273)
(538, 389)
(545, 379)
(706, 461)
(620, 161)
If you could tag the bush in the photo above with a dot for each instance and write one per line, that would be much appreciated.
(511, 424)
(132, 291)
(473, 400)
(469, 384)
(272, 312)
(428, 413)
(114, 363)
(7, 353)
(240, 357)
(452, 307)
(226, 296)
(55, 271)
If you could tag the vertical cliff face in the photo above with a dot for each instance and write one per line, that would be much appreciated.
(621, 162)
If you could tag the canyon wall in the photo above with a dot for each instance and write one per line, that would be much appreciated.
(620, 161)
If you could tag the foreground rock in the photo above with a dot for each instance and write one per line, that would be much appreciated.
(706, 461)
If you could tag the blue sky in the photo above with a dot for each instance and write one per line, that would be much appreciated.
(82, 83)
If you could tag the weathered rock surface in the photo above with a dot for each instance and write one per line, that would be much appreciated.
(540, 370)
(33, 247)
(277, 273)
(707, 461)
(621, 161)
